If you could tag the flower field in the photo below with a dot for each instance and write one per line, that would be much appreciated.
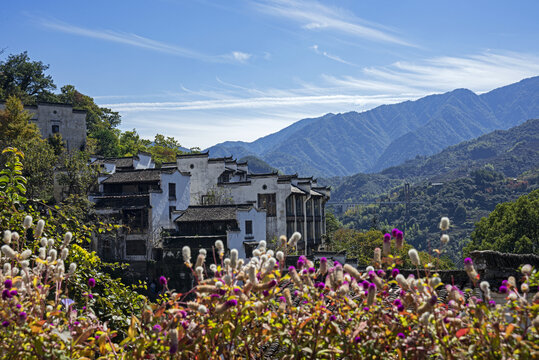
(260, 309)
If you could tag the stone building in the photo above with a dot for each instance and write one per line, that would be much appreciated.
(61, 119)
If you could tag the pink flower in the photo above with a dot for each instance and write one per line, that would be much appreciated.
(163, 281)
(91, 282)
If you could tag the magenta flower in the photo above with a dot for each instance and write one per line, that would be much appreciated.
(157, 328)
(492, 303)
(395, 272)
(366, 308)
(13, 293)
(163, 281)
(291, 268)
(265, 293)
(215, 296)
(400, 235)
(320, 285)
(282, 299)
(332, 318)
(272, 283)
(5, 323)
(312, 270)
(400, 308)
(394, 232)
(232, 302)
(357, 339)
(468, 261)
(323, 260)
(387, 238)
(401, 335)
(6, 294)
(91, 282)
(381, 273)
(8, 283)
(397, 302)
(503, 289)
(22, 315)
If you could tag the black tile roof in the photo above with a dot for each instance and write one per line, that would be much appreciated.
(211, 213)
(145, 175)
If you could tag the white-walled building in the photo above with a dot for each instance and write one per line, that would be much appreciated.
(141, 198)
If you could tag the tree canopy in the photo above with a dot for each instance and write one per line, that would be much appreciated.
(513, 227)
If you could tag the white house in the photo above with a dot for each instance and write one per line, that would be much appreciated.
(142, 198)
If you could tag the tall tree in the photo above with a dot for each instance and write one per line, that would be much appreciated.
(25, 79)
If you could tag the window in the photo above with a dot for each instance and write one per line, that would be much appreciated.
(55, 129)
(248, 227)
(309, 207)
(170, 210)
(135, 247)
(299, 206)
(290, 206)
(224, 178)
(268, 202)
(172, 191)
(289, 228)
(136, 220)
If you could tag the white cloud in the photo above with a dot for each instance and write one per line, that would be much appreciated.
(480, 72)
(315, 16)
(143, 42)
(330, 56)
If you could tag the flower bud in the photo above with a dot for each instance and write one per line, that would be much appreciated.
(27, 222)
(67, 238)
(444, 223)
(414, 257)
(7, 237)
(9, 252)
(39, 229)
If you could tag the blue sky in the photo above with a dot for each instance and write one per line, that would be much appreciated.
(208, 71)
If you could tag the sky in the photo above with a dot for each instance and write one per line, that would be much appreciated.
(207, 71)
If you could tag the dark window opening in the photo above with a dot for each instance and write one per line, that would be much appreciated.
(289, 228)
(172, 191)
(248, 227)
(55, 129)
(192, 166)
(299, 206)
(135, 247)
(170, 210)
(224, 178)
(309, 207)
(290, 206)
(268, 202)
(136, 220)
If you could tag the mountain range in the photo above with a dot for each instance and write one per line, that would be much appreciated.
(509, 152)
(352, 142)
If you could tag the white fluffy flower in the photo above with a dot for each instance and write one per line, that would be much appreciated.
(414, 257)
(39, 228)
(444, 223)
(186, 254)
(27, 222)
(7, 237)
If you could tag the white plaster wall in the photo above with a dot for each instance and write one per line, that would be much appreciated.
(236, 238)
(204, 175)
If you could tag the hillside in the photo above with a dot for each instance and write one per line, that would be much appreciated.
(348, 143)
(464, 200)
(257, 166)
(510, 152)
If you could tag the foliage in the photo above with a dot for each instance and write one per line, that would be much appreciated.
(14, 124)
(116, 301)
(511, 227)
(332, 225)
(465, 200)
(25, 79)
(360, 245)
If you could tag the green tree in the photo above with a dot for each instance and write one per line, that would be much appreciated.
(17, 131)
(15, 124)
(164, 149)
(131, 143)
(25, 79)
(512, 227)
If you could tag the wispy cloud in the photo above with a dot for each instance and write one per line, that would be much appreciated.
(330, 56)
(479, 72)
(143, 42)
(315, 16)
